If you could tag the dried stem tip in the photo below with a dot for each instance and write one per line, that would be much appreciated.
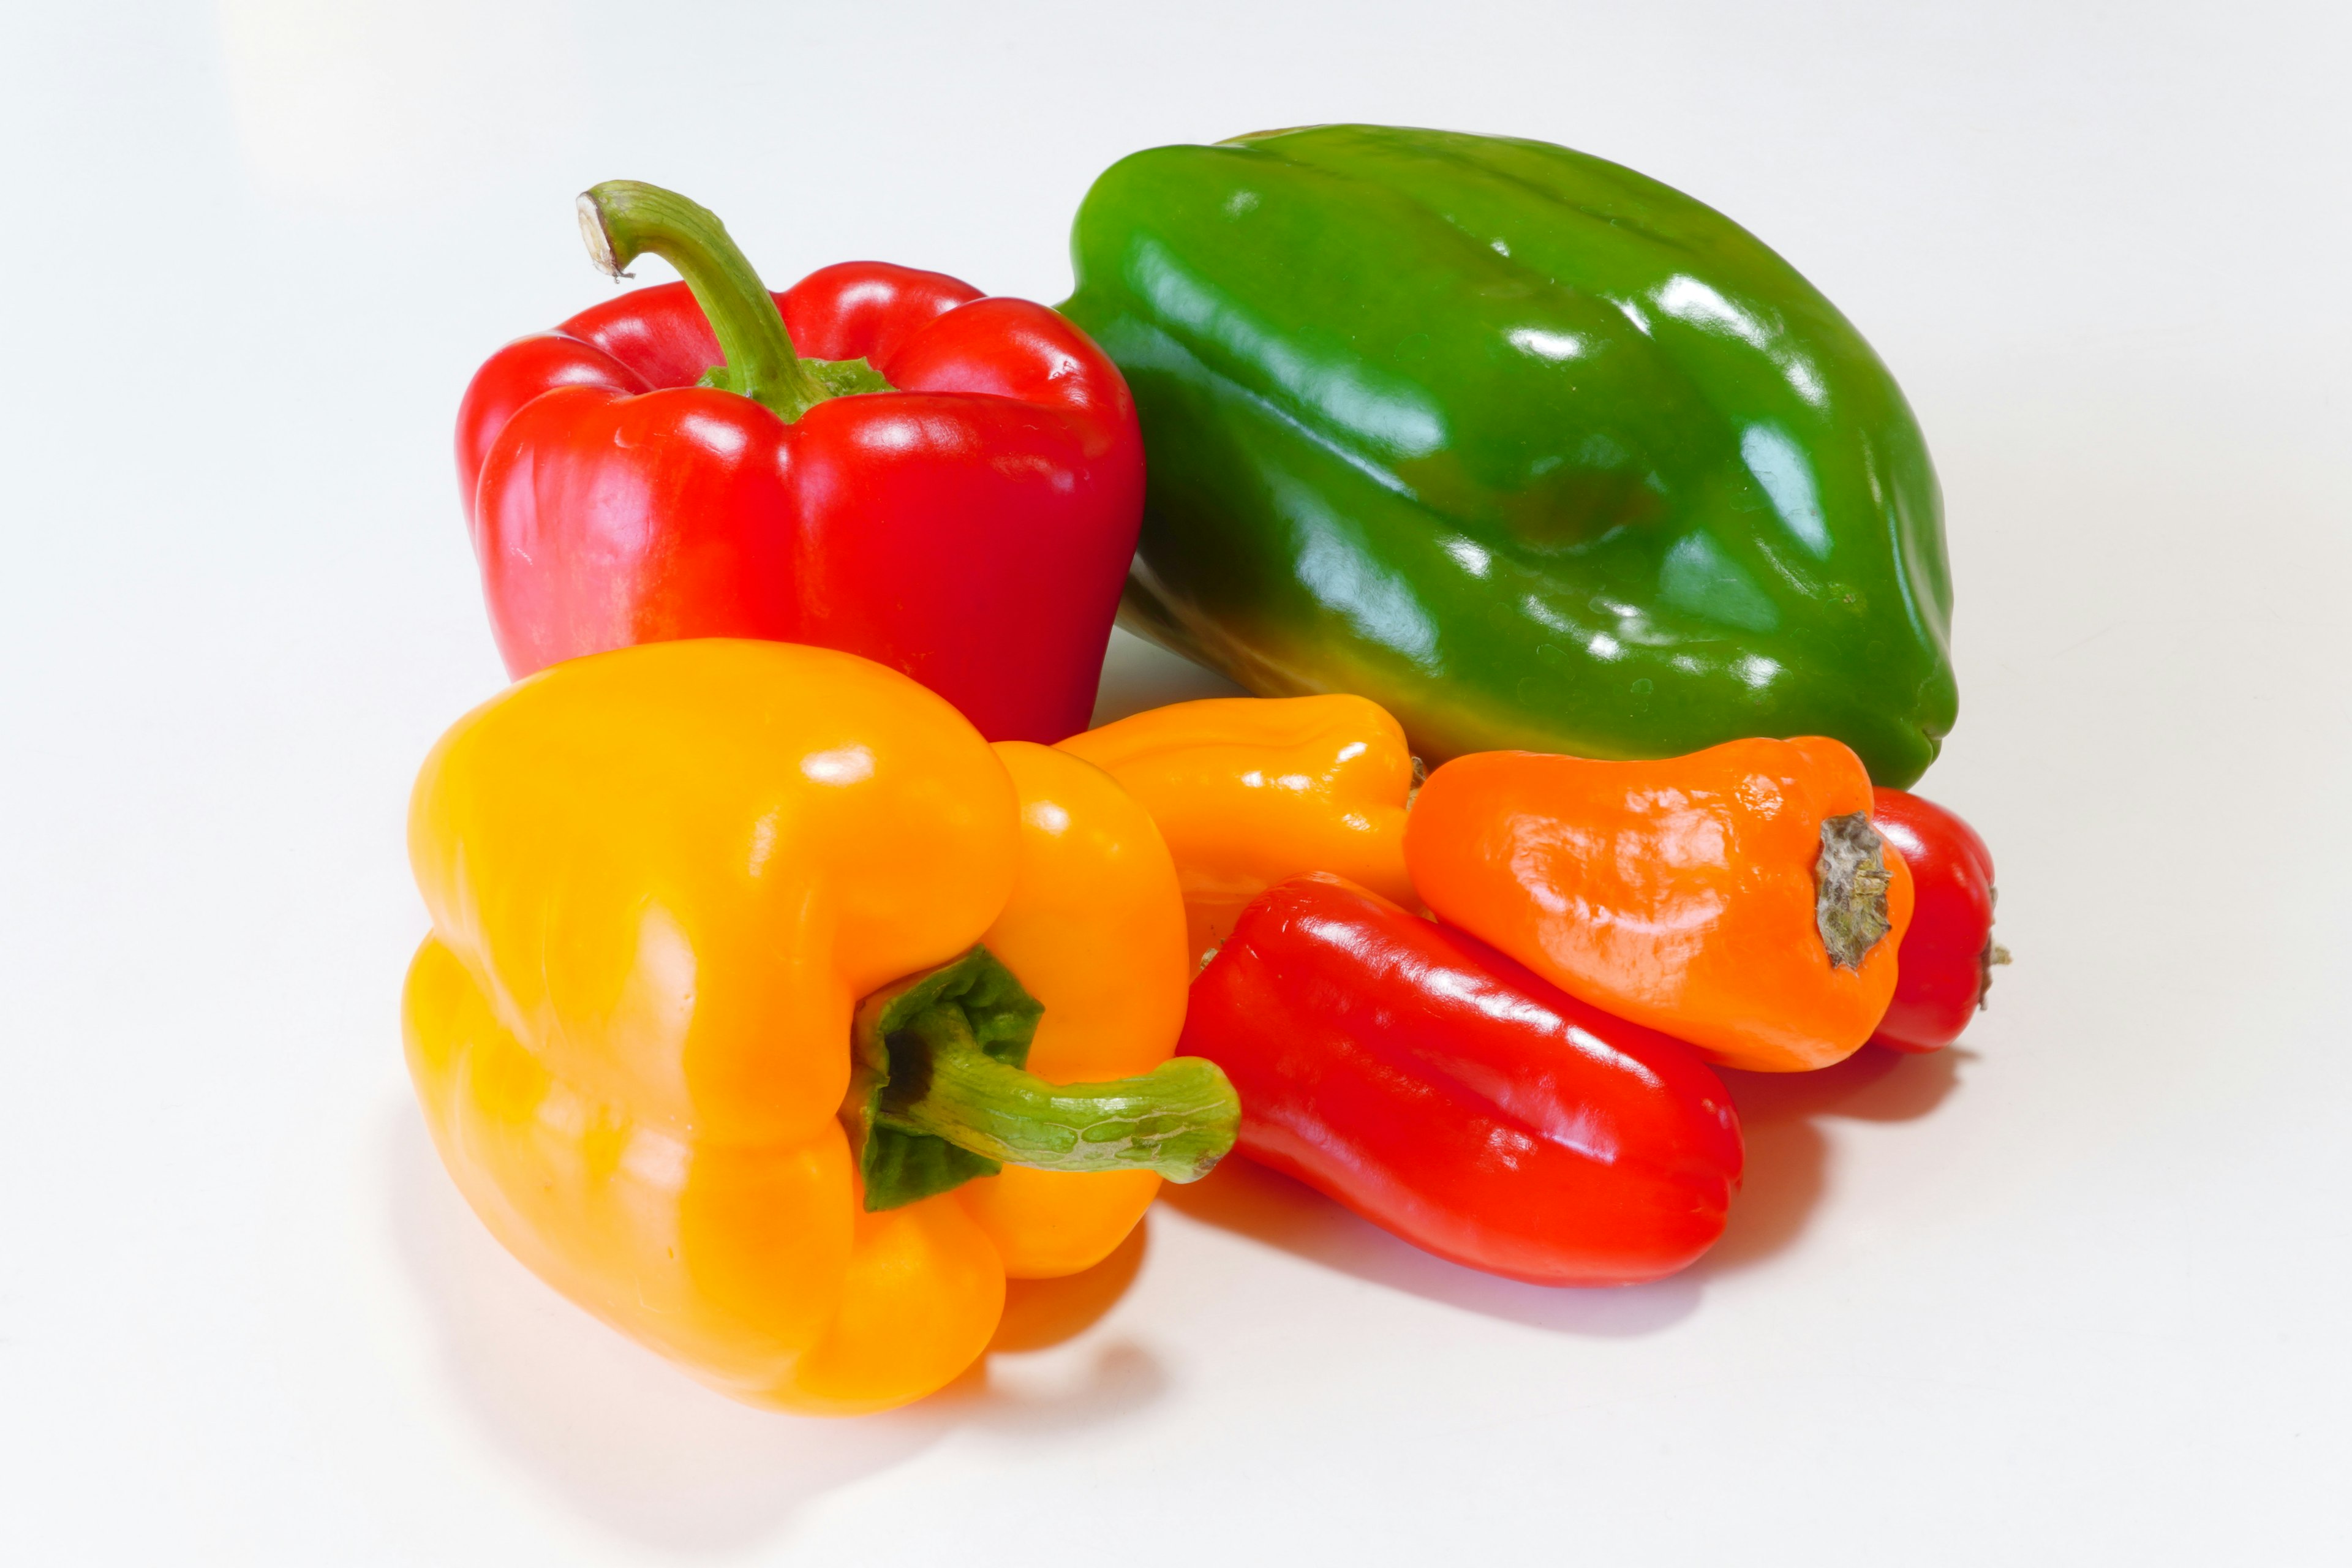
(1851, 878)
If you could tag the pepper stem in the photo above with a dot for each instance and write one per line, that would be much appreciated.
(939, 1094)
(623, 219)
(1851, 880)
(1178, 1119)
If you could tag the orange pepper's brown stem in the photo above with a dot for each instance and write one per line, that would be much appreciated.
(1850, 908)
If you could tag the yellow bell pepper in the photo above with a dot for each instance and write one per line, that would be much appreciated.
(663, 880)
(1252, 791)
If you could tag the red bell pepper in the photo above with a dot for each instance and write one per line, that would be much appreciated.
(1945, 965)
(1449, 1095)
(950, 486)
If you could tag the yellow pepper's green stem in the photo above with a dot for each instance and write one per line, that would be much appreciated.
(1178, 1119)
(939, 1094)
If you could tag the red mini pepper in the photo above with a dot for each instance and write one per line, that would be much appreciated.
(949, 484)
(1454, 1097)
(1945, 965)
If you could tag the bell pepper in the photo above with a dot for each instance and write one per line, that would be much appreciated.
(1249, 791)
(950, 487)
(1945, 967)
(1737, 898)
(1450, 1096)
(767, 1010)
(1530, 449)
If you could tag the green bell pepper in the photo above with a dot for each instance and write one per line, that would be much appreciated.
(1530, 449)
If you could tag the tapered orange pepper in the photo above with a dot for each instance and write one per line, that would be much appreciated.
(1738, 898)
(661, 882)
(1252, 791)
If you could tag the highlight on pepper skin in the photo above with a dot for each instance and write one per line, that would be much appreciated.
(1454, 1097)
(1251, 790)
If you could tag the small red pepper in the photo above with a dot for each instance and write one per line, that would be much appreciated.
(1945, 965)
(1452, 1095)
(951, 485)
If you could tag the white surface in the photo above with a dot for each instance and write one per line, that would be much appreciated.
(2073, 1294)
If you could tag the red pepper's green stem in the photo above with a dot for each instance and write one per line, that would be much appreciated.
(1178, 1119)
(623, 219)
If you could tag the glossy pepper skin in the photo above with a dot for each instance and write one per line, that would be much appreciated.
(1737, 898)
(1449, 1095)
(1948, 957)
(661, 880)
(1249, 791)
(1529, 449)
(965, 514)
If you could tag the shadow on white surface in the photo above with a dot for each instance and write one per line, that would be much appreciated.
(1785, 1173)
(626, 1441)
(1245, 1198)
(1788, 1156)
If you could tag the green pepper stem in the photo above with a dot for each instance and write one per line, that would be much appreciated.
(623, 219)
(1178, 1118)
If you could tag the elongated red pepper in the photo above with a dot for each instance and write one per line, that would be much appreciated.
(949, 484)
(1945, 965)
(1452, 1095)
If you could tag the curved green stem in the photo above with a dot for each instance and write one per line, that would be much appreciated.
(939, 1094)
(623, 219)
(1178, 1118)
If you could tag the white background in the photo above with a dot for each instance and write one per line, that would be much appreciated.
(2073, 1293)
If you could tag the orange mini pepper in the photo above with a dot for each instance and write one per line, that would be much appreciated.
(740, 953)
(1738, 898)
(1252, 791)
